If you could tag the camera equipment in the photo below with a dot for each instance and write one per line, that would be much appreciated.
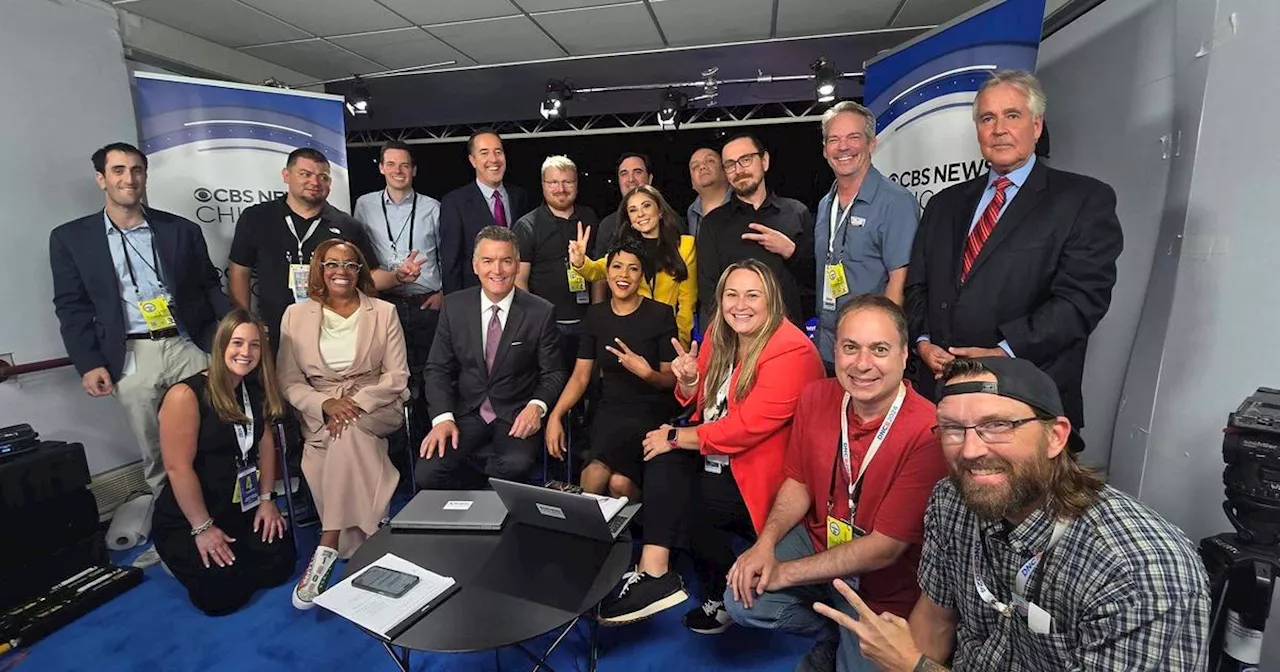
(1242, 566)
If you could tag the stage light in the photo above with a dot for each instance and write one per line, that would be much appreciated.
(553, 106)
(673, 103)
(360, 99)
(824, 80)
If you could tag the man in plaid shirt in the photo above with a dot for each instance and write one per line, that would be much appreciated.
(1030, 561)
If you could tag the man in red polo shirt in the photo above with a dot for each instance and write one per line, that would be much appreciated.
(850, 508)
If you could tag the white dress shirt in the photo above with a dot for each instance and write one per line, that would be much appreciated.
(486, 314)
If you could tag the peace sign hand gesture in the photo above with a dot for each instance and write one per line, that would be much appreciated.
(885, 639)
(630, 360)
(685, 365)
(578, 247)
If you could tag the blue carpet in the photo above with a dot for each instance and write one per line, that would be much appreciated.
(154, 628)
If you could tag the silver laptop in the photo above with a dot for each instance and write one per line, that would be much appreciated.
(451, 510)
(562, 511)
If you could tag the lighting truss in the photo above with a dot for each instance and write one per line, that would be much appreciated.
(642, 122)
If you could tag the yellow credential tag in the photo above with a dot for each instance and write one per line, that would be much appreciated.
(838, 532)
(156, 312)
(836, 281)
(577, 283)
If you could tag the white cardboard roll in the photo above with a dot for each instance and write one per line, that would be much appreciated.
(131, 523)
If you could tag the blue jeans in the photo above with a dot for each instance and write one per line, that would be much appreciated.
(791, 610)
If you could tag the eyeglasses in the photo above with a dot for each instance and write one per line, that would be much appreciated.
(744, 162)
(991, 431)
(345, 265)
(564, 184)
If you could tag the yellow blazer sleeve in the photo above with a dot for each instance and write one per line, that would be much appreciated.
(592, 269)
(687, 296)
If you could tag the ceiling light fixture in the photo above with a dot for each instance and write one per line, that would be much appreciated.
(824, 80)
(360, 99)
(553, 105)
(673, 103)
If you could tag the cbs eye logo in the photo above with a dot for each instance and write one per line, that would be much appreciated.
(203, 195)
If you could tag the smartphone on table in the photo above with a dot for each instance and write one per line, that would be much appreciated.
(384, 581)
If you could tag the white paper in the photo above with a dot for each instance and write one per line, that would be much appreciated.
(378, 613)
(457, 505)
(609, 506)
(1039, 620)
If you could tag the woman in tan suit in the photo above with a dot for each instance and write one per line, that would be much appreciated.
(342, 366)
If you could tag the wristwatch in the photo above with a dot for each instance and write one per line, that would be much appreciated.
(267, 496)
(672, 442)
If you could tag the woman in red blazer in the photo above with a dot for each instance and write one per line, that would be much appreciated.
(719, 477)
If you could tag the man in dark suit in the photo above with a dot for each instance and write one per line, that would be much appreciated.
(1019, 262)
(494, 368)
(136, 297)
(473, 206)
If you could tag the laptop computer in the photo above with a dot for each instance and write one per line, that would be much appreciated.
(581, 515)
(451, 510)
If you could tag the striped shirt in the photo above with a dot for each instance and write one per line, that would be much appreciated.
(1125, 589)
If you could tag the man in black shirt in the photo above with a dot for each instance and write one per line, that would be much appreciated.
(755, 224)
(274, 241)
(544, 236)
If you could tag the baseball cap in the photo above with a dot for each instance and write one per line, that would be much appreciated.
(1018, 379)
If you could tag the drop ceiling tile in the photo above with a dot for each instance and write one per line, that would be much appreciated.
(332, 17)
(603, 30)
(687, 22)
(506, 40)
(933, 12)
(428, 12)
(822, 17)
(226, 22)
(315, 57)
(406, 48)
(532, 6)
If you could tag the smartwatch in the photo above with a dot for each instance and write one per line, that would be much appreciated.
(671, 439)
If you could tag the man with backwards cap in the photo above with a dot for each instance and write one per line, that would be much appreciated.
(1030, 561)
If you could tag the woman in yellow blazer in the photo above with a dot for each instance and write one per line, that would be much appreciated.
(671, 276)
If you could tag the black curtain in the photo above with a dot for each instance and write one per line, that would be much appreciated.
(797, 168)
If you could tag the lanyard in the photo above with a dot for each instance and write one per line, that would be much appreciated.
(413, 214)
(836, 220)
(855, 485)
(294, 232)
(1024, 574)
(244, 432)
(125, 244)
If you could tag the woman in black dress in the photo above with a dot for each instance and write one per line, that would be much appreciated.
(630, 337)
(215, 525)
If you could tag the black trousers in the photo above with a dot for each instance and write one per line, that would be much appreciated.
(419, 327)
(218, 591)
(484, 450)
(688, 507)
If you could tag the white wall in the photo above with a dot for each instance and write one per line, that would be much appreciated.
(1109, 79)
(75, 87)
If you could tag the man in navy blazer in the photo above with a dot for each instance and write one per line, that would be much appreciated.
(1019, 262)
(494, 370)
(136, 297)
(475, 205)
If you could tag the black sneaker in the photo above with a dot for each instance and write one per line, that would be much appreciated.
(642, 596)
(821, 658)
(709, 619)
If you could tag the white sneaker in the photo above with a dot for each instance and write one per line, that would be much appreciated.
(315, 578)
(148, 558)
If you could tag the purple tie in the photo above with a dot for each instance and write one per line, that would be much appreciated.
(492, 336)
(499, 210)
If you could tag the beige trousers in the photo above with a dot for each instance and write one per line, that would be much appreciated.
(156, 366)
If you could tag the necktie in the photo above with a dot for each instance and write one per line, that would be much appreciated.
(978, 237)
(499, 210)
(492, 336)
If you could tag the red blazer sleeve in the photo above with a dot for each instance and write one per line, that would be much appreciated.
(770, 406)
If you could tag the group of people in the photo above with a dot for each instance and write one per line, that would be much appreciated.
(907, 484)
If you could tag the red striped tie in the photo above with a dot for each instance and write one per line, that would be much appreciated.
(978, 237)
